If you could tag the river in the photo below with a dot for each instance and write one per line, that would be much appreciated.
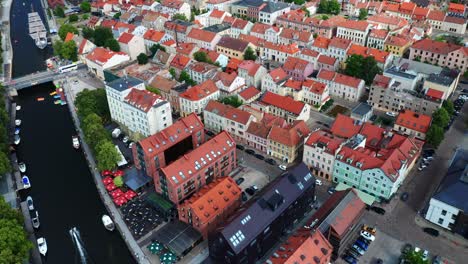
(63, 190)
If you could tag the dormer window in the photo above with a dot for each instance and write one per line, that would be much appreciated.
(359, 164)
(349, 160)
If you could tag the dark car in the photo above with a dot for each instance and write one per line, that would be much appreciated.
(350, 259)
(378, 210)
(270, 161)
(250, 191)
(240, 147)
(240, 180)
(407, 248)
(260, 157)
(331, 190)
(352, 254)
(379, 261)
(404, 197)
(431, 231)
(465, 91)
(249, 151)
(209, 133)
(429, 151)
(244, 196)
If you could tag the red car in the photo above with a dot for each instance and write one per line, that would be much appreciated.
(118, 173)
(106, 173)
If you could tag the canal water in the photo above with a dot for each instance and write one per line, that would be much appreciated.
(63, 190)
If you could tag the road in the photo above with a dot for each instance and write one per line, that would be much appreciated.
(42, 77)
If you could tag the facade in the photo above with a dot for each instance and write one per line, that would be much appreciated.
(170, 90)
(285, 107)
(440, 53)
(342, 86)
(229, 83)
(232, 47)
(203, 39)
(101, 59)
(397, 45)
(362, 112)
(189, 173)
(254, 229)
(338, 47)
(249, 95)
(447, 207)
(252, 73)
(413, 124)
(211, 206)
(286, 143)
(172, 7)
(356, 31)
(274, 80)
(132, 45)
(315, 93)
(219, 117)
(195, 98)
(201, 72)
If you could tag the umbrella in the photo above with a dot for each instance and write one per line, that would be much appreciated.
(107, 180)
(130, 194)
(118, 173)
(120, 201)
(116, 193)
(106, 173)
(168, 258)
(111, 187)
(155, 247)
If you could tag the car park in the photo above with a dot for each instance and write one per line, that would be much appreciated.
(404, 196)
(270, 161)
(282, 167)
(358, 249)
(240, 147)
(260, 157)
(431, 231)
(349, 259)
(367, 235)
(249, 151)
(240, 180)
(378, 210)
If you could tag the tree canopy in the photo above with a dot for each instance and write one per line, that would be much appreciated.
(440, 117)
(448, 106)
(85, 6)
(363, 14)
(185, 77)
(249, 54)
(112, 44)
(413, 257)
(93, 101)
(435, 135)
(329, 7)
(67, 50)
(73, 18)
(58, 11)
(100, 35)
(142, 58)
(106, 155)
(65, 28)
(363, 68)
(232, 101)
(179, 17)
(155, 48)
(201, 56)
(14, 243)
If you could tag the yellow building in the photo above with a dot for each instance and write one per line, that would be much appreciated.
(396, 45)
(233, 48)
(285, 144)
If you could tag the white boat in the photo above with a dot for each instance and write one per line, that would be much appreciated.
(26, 182)
(37, 30)
(29, 201)
(18, 107)
(35, 220)
(18, 122)
(76, 142)
(108, 223)
(22, 167)
(17, 139)
(42, 244)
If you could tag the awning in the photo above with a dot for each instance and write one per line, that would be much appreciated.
(366, 198)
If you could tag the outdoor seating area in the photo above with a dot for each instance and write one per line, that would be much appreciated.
(120, 195)
(164, 254)
(140, 217)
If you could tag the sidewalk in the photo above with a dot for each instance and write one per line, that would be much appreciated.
(455, 239)
(121, 226)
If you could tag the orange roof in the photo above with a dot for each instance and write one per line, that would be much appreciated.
(213, 199)
(321, 42)
(309, 52)
(290, 136)
(291, 83)
(180, 61)
(278, 74)
(438, 15)
(289, 48)
(360, 25)
(228, 112)
(303, 247)
(314, 87)
(233, 63)
(186, 48)
(456, 8)
(101, 55)
(326, 75)
(414, 121)
(340, 43)
(142, 99)
(397, 41)
(249, 92)
(198, 92)
(69, 36)
(201, 35)
(125, 38)
(378, 33)
(379, 55)
(154, 35)
(179, 171)
(283, 102)
(324, 59)
(381, 81)
(347, 80)
(217, 13)
(260, 28)
(388, 20)
(435, 46)
(436, 94)
(296, 35)
(108, 23)
(250, 66)
(345, 126)
(259, 42)
(330, 142)
(176, 4)
(295, 64)
(407, 7)
(240, 23)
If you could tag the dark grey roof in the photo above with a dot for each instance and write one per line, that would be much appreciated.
(396, 71)
(255, 216)
(218, 27)
(454, 187)
(421, 3)
(445, 77)
(273, 7)
(362, 109)
(124, 83)
(233, 43)
(256, 3)
(135, 179)
(178, 237)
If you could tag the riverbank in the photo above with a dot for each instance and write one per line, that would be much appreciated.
(7, 53)
(132, 245)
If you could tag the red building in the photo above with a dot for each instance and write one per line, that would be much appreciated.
(211, 206)
(155, 152)
(185, 176)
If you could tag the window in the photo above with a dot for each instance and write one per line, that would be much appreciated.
(444, 212)
(441, 221)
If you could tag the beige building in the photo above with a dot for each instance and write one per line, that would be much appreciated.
(132, 45)
(440, 53)
(410, 123)
(356, 31)
(286, 144)
(284, 107)
(195, 99)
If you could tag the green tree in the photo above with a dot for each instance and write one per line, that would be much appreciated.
(85, 16)
(69, 51)
(185, 77)
(65, 28)
(85, 6)
(363, 68)
(173, 73)
(363, 14)
(153, 90)
(106, 155)
(435, 135)
(94, 132)
(325, 17)
(306, 11)
(440, 117)
(87, 33)
(5, 165)
(448, 106)
(101, 35)
(155, 48)
(232, 101)
(93, 101)
(413, 257)
(142, 58)
(179, 17)
(201, 56)
(118, 181)
(329, 7)
(57, 47)
(112, 44)
(14, 243)
(249, 54)
(299, 2)
(73, 18)
(58, 11)
(117, 15)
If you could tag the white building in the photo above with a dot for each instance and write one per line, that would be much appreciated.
(195, 99)
(342, 86)
(285, 107)
(203, 39)
(172, 7)
(132, 45)
(356, 31)
(315, 93)
(101, 59)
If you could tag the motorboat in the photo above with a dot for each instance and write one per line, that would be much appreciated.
(76, 142)
(26, 182)
(108, 223)
(17, 139)
(29, 201)
(35, 220)
(17, 131)
(18, 122)
(18, 107)
(42, 244)
(22, 167)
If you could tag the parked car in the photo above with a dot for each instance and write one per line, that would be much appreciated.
(331, 190)
(358, 249)
(270, 161)
(350, 259)
(116, 133)
(240, 147)
(404, 197)
(240, 180)
(244, 196)
(282, 167)
(353, 254)
(249, 151)
(361, 244)
(463, 97)
(464, 90)
(260, 157)
(125, 139)
(407, 248)
(251, 190)
(318, 182)
(367, 235)
(378, 210)
(369, 229)
(365, 241)
(392, 114)
(431, 231)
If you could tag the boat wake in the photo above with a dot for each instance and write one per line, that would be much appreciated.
(79, 245)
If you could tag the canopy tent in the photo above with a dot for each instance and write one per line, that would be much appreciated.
(117, 193)
(119, 201)
(130, 194)
(111, 186)
(107, 180)
(117, 173)
(155, 247)
(178, 237)
(135, 179)
(106, 173)
(168, 258)
(366, 198)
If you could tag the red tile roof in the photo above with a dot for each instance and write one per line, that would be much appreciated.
(330, 142)
(324, 59)
(228, 112)
(180, 61)
(314, 87)
(260, 28)
(278, 74)
(249, 92)
(154, 35)
(175, 4)
(186, 48)
(455, 20)
(309, 52)
(456, 8)
(69, 36)
(201, 35)
(382, 18)
(198, 92)
(345, 126)
(340, 43)
(217, 13)
(360, 25)
(240, 23)
(326, 75)
(290, 136)
(250, 66)
(435, 46)
(293, 84)
(397, 41)
(438, 15)
(125, 38)
(296, 35)
(142, 99)
(101, 55)
(259, 129)
(381, 81)
(436, 94)
(283, 102)
(414, 121)
(378, 33)
(407, 7)
(379, 55)
(321, 42)
(290, 49)
(295, 64)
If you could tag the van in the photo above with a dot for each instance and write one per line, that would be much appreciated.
(116, 133)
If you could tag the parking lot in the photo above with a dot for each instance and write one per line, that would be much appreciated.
(251, 177)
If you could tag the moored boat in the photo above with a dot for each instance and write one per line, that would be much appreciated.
(76, 142)
(35, 220)
(108, 223)
(42, 244)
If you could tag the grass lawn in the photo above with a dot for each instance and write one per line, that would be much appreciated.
(338, 109)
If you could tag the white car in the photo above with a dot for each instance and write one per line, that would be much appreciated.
(425, 253)
(391, 114)
(282, 167)
(463, 97)
(318, 182)
(367, 235)
(18, 122)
